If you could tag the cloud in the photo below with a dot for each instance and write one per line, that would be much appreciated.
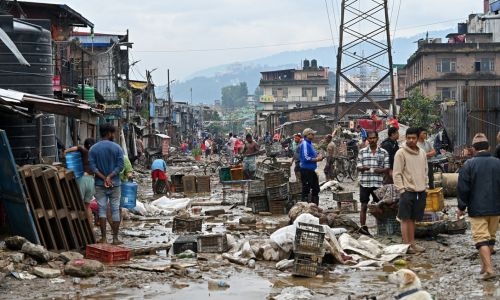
(172, 25)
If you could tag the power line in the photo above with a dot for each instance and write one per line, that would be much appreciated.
(397, 19)
(235, 48)
(334, 16)
(330, 23)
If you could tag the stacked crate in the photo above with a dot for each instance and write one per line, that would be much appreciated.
(189, 185)
(212, 243)
(345, 201)
(276, 192)
(295, 191)
(187, 225)
(257, 196)
(308, 249)
(186, 242)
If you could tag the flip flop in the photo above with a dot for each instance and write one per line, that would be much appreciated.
(489, 276)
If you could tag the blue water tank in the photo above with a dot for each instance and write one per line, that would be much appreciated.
(74, 162)
(129, 194)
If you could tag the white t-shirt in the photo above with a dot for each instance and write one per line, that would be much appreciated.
(208, 144)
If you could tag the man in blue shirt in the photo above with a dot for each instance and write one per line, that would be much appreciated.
(308, 164)
(106, 161)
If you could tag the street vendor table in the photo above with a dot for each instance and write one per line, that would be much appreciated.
(239, 186)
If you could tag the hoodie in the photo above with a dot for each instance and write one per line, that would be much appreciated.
(410, 170)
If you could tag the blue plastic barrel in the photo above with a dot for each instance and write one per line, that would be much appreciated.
(129, 194)
(74, 163)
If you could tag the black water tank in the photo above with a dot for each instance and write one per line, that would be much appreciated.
(462, 28)
(25, 137)
(34, 43)
(306, 64)
(314, 64)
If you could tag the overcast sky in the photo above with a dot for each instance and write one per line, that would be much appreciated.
(189, 35)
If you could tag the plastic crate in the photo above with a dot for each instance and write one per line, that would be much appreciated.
(203, 184)
(212, 243)
(285, 166)
(388, 226)
(343, 196)
(430, 216)
(277, 207)
(295, 188)
(295, 198)
(187, 224)
(177, 182)
(258, 204)
(274, 149)
(309, 238)
(107, 253)
(273, 179)
(261, 170)
(186, 242)
(277, 193)
(225, 174)
(236, 173)
(256, 188)
(434, 200)
(306, 265)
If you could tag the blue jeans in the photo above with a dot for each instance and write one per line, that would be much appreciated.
(103, 195)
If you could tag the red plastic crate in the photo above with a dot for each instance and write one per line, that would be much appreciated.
(107, 253)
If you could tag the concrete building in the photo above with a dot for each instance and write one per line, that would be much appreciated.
(289, 89)
(463, 74)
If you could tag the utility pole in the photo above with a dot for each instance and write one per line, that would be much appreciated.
(364, 28)
(169, 107)
(191, 91)
(148, 78)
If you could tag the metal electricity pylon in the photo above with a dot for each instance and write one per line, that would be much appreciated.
(364, 40)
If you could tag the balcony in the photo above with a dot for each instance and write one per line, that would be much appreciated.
(308, 82)
(292, 99)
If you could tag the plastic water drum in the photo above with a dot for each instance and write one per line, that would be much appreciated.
(129, 194)
(74, 163)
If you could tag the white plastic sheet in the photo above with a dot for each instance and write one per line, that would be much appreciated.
(171, 206)
(372, 249)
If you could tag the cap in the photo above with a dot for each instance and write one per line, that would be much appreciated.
(298, 134)
(479, 137)
(308, 131)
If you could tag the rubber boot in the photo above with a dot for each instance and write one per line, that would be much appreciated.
(115, 227)
(315, 200)
(103, 230)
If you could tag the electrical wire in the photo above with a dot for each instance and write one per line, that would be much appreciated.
(232, 48)
(330, 23)
(334, 16)
(397, 19)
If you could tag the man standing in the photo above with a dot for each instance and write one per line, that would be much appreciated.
(330, 153)
(478, 189)
(106, 161)
(425, 145)
(410, 180)
(497, 149)
(373, 163)
(250, 152)
(308, 165)
(390, 144)
(297, 140)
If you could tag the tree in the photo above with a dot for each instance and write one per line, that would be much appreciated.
(419, 111)
(257, 93)
(234, 95)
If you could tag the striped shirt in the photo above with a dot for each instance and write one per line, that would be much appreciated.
(377, 160)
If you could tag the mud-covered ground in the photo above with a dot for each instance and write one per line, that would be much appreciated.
(449, 269)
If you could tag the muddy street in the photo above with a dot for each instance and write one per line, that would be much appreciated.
(449, 269)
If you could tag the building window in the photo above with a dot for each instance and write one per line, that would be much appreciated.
(280, 92)
(448, 94)
(484, 65)
(447, 65)
(309, 92)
